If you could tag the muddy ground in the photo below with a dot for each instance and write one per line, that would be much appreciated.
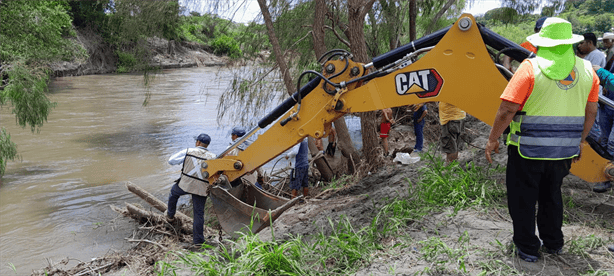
(489, 230)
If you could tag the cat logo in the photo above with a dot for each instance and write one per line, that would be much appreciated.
(424, 83)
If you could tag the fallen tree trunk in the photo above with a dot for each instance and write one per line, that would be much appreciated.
(153, 201)
(185, 220)
(156, 218)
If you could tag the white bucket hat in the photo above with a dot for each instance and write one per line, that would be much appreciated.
(608, 35)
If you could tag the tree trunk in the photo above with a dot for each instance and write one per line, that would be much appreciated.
(319, 46)
(413, 13)
(279, 57)
(344, 141)
(325, 171)
(368, 120)
(153, 201)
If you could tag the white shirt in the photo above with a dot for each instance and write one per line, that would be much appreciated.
(596, 57)
(178, 157)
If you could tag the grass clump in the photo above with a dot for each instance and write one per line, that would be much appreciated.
(581, 245)
(458, 186)
(441, 186)
(342, 252)
(440, 255)
(336, 183)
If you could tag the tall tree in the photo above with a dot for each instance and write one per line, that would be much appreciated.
(325, 171)
(413, 12)
(343, 134)
(32, 34)
(357, 10)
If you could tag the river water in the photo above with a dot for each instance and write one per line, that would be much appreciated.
(54, 201)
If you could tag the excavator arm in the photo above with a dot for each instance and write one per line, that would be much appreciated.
(456, 68)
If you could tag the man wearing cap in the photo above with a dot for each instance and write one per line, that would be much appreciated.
(550, 105)
(236, 133)
(507, 61)
(589, 51)
(192, 182)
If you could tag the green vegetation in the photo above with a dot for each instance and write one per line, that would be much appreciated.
(580, 245)
(337, 182)
(342, 249)
(596, 16)
(225, 45)
(8, 149)
(40, 38)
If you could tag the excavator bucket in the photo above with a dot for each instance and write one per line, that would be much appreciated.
(246, 207)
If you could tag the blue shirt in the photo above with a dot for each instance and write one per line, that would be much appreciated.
(419, 112)
(300, 151)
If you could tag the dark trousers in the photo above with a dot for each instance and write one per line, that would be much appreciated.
(418, 130)
(198, 203)
(535, 181)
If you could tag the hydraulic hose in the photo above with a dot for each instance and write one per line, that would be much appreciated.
(288, 103)
(398, 53)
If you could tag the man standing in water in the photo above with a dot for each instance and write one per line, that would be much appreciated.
(191, 182)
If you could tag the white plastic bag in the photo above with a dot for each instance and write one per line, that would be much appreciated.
(405, 158)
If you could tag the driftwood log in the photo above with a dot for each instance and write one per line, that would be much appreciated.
(156, 218)
(153, 201)
(184, 220)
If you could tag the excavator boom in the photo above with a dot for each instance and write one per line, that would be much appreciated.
(456, 68)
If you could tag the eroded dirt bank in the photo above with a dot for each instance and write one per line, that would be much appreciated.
(164, 55)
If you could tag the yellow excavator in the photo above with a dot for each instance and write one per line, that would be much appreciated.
(455, 67)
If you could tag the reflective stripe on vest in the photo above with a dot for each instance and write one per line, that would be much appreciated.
(552, 122)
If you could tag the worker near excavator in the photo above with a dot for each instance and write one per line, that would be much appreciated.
(550, 105)
(608, 43)
(385, 126)
(452, 121)
(257, 179)
(191, 182)
(419, 111)
(601, 136)
(332, 143)
(607, 80)
(299, 178)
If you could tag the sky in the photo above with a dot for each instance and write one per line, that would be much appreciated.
(252, 10)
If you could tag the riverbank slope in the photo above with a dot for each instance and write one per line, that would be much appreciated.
(164, 55)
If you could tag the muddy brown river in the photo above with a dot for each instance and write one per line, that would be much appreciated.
(54, 201)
